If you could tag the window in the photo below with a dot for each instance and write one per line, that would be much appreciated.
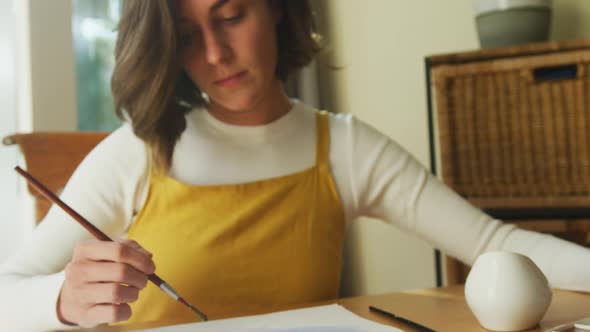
(94, 35)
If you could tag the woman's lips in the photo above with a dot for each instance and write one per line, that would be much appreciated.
(231, 80)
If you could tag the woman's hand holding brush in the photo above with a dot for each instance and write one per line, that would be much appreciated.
(101, 280)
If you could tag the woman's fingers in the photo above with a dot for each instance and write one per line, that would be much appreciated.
(105, 313)
(134, 244)
(121, 252)
(108, 293)
(100, 280)
(89, 272)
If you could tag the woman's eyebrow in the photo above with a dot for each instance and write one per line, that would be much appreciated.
(218, 4)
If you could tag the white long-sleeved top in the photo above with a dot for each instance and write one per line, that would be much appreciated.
(375, 177)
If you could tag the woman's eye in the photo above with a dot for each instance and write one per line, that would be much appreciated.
(187, 39)
(233, 19)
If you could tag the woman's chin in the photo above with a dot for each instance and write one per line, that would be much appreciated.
(236, 105)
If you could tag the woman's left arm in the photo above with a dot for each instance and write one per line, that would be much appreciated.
(391, 185)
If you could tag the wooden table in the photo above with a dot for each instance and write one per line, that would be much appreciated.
(442, 309)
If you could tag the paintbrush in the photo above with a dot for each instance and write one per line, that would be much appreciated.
(165, 287)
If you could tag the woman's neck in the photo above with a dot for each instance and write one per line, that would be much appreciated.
(266, 110)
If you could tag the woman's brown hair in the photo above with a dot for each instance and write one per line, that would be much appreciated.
(149, 86)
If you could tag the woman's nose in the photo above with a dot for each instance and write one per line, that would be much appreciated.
(216, 48)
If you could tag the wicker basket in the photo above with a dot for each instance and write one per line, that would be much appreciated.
(514, 135)
(514, 127)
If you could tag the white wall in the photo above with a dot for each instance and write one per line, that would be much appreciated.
(52, 66)
(10, 228)
(571, 19)
(37, 92)
(382, 44)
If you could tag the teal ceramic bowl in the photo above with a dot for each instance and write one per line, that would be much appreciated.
(513, 27)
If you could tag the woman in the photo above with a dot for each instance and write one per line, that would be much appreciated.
(238, 195)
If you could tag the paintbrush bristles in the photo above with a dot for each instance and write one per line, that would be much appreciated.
(194, 309)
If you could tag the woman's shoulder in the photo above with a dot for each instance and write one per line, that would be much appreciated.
(347, 124)
(354, 137)
(121, 150)
(123, 135)
(336, 120)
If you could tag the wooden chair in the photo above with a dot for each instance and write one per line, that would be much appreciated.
(511, 130)
(52, 157)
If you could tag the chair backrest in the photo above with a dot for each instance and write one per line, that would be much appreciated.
(52, 157)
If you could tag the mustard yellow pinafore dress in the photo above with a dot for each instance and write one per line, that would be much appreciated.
(248, 246)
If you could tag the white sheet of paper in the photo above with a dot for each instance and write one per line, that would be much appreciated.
(329, 318)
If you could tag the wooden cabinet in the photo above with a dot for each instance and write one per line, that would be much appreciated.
(510, 132)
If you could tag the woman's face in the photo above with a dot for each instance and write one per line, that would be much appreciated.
(229, 50)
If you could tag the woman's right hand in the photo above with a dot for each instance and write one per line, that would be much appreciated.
(100, 281)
